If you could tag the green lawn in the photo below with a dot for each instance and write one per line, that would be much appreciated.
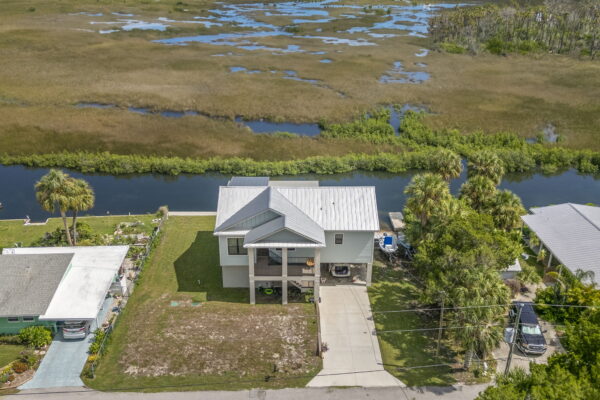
(14, 231)
(392, 290)
(182, 331)
(9, 353)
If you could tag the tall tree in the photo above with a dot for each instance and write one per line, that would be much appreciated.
(447, 163)
(486, 163)
(82, 199)
(478, 191)
(53, 192)
(506, 209)
(427, 195)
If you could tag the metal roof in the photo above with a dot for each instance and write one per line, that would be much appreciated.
(300, 225)
(83, 289)
(248, 181)
(333, 208)
(29, 282)
(571, 232)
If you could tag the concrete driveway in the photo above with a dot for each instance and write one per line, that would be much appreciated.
(65, 359)
(353, 357)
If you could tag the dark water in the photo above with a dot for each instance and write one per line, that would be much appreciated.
(261, 126)
(145, 193)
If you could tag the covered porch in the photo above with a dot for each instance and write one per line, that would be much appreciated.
(274, 264)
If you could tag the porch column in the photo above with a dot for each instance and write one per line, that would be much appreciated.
(317, 284)
(369, 273)
(284, 275)
(549, 260)
(251, 276)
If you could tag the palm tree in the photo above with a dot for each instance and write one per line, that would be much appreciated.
(82, 200)
(486, 163)
(506, 209)
(427, 195)
(482, 330)
(53, 192)
(478, 191)
(447, 163)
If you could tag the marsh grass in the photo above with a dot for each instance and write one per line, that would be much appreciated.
(49, 65)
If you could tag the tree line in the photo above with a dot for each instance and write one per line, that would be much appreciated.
(556, 26)
(463, 244)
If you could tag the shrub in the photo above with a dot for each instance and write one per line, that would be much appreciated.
(10, 339)
(19, 367)
(452, 48)
(162, 211)
(99, 336)
(29, 358)
(514, 286)
(36, 336)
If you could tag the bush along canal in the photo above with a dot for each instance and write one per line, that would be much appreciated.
(144, 193)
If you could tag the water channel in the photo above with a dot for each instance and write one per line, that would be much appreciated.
(145, 193)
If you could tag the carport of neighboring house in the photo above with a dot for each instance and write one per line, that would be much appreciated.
(65, 359)
(353, 357)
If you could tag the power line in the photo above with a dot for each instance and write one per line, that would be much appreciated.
(481, 306)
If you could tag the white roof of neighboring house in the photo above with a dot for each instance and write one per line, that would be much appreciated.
(333, 208)
(571, 232)
(82, 290)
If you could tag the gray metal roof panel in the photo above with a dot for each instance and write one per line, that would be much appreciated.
(29, 282)
(569, 235)
(248, 181)
(333, 208)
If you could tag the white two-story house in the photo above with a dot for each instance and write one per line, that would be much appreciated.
(275, 233)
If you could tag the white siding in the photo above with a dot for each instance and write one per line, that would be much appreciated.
(225, 258)
(357, 247)
(236, 277)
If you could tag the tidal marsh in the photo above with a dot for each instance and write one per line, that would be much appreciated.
(53, 58)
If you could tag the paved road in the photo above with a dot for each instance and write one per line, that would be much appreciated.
(348, 330)
(65, 359)
(397, 393)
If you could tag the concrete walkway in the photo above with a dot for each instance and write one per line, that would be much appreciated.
(353, 357)
(192, 213)
(62, 365)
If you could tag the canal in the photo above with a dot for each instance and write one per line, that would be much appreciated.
(145, 193)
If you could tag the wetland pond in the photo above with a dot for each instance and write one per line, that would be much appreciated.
(145, 193)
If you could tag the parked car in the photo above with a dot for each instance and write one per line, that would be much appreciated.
(76, 329)
(339, 270)
(530, 337)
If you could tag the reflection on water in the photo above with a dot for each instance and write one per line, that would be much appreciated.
(145, 193)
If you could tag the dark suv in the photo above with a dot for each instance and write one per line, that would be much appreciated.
(530, 338)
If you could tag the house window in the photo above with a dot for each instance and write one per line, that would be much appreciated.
(235, 247)
(12, 319)
(28, 319)
(339, 238)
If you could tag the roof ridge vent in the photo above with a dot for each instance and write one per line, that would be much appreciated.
(583, 215)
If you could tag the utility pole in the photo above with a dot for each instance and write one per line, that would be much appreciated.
(514, 339)
(439, 339)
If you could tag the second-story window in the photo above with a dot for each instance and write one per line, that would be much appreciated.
(339, 238)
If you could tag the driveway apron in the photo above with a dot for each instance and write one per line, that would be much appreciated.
(353, 357)
(65, 359)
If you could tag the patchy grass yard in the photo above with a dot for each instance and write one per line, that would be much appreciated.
(9, 353)
(14, 231)
(182, 330)
(392, 290)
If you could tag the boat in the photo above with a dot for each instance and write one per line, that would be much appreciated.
(388, 244)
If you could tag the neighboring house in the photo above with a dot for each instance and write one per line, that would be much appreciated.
(50, 285)
(512, 271)
(571, 234)
(272, 233)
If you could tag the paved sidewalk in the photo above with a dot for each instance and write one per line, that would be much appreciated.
(62, 365)
(353, 357)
